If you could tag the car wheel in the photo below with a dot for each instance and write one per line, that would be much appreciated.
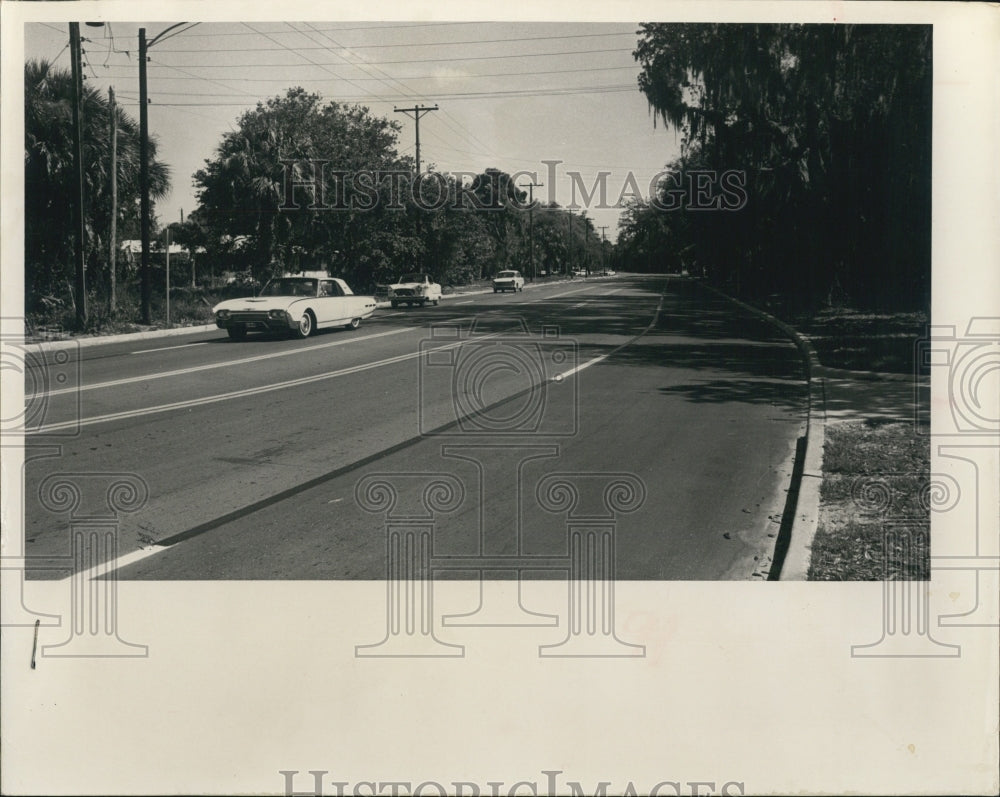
(354, 324)
(436, 302)
(238, 332)
(306, 325)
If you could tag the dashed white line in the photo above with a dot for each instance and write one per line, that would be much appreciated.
(571, 371)
(565, 293)
(253, 391)
(209, 366)
(116, 564)
(167, 348)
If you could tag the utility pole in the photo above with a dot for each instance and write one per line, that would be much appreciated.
(113, 232)
(415, 113)
(144, 166)
(531, 226)
(569, 244)
(604, 266)
(167, 233)
(80, 288)
(143, 181)
(190, 251)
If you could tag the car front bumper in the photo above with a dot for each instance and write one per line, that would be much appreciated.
(256, 321)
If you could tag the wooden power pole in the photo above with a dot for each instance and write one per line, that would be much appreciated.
(113, 232)
(80, 287)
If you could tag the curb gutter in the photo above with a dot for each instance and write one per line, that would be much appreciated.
(795, 564)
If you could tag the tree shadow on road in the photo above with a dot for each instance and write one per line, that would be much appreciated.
(778, 393)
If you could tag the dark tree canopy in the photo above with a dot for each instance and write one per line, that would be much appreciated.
(831, 125)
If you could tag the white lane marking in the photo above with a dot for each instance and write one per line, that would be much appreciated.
(468, 301)
(596, 360)
(194, 368)
(253, 391)
(116, 564)
(581, 304)
(564, 293)
(167, 348)
(571, 371)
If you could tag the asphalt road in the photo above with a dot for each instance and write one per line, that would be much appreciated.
(257, 455)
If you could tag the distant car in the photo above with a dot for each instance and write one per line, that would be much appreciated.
(580, 272)
(296, 305)
(508, 281)
(414, 289)
(609, 272)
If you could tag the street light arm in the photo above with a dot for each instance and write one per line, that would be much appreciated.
(154, 40)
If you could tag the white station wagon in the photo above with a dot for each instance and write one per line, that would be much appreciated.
(508, 281)
(296, 305)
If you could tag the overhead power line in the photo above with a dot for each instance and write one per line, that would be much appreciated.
(401, 77)
(362, 63)
(450, 59)
(382, 98)
(462, 96)
(361, 27)
(406, 44)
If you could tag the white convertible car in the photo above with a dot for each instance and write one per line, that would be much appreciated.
(297, 305)
(414, 289)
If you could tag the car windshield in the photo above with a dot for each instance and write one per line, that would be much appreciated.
(290, 287)
(507, 274)
(412, 278)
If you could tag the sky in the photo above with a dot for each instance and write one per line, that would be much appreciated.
(511, 95)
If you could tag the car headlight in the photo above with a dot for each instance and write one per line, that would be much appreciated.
(276, 314)
(222, 315)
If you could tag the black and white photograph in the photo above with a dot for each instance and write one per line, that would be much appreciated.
(436, 401)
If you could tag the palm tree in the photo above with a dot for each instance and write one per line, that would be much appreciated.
(48, 165)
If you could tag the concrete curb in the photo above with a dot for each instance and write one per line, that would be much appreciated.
(795, 564)
(100, 340)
